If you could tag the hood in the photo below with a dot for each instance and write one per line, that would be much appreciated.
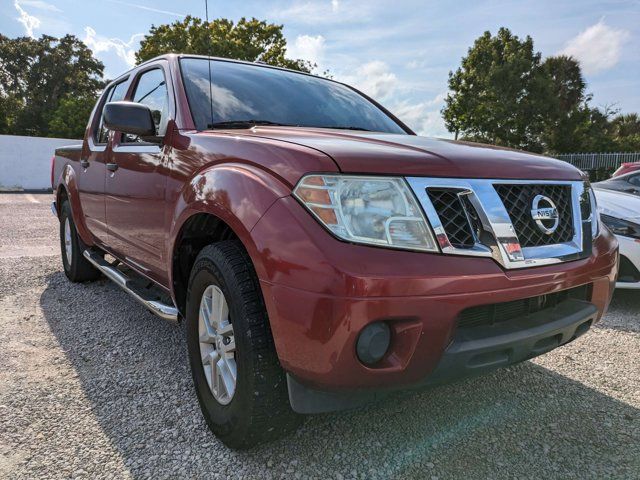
(379, 153)
(618, 205)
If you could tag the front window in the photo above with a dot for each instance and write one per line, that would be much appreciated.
(151, 91)
(244, 94)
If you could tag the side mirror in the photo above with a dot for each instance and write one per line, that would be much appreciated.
(129, 117)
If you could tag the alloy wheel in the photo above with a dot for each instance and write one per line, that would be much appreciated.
(68, 247)
(217, 344)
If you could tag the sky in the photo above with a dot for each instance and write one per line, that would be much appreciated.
(400, 52)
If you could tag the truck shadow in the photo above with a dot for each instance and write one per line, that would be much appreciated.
(525, 421)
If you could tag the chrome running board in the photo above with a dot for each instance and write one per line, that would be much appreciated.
(162, 310)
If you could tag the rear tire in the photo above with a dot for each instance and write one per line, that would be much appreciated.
(256, 409)
(76, 267)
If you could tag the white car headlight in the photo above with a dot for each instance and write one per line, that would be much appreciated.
(371, 210)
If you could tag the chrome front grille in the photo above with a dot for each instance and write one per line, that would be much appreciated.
(449, 204)
(518, 198)
(495, 218)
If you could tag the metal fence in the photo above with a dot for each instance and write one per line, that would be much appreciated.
(595, 161)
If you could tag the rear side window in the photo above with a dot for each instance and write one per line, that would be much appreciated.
(635, 180)
(100, 133)
(114, 94)
(151, 91)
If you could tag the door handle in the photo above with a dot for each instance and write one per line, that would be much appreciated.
(112, 167)
(84, 163)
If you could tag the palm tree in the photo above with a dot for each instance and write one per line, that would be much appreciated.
(626, 125)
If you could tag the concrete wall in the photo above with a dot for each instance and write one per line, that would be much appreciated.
(25, 162)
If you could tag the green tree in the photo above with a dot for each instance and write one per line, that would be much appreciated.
(250, 40)
(573, 125)
(568, 108)
(592, 132)
(567, 83)
(625, 130)
(71, 117)
(504, 94)
(8, 109)
(626, 125)
(499, 93)
(36, 74)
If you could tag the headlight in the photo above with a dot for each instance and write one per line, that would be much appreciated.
(621, 227)
(371, 210)
(595, 214)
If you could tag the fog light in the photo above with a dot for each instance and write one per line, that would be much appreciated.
(373, 342)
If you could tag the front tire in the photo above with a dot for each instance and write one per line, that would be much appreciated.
(240, 385)
(76, 267)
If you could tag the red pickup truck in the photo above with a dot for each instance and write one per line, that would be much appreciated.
(320, 253)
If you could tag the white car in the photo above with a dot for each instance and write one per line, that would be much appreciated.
(621, 213)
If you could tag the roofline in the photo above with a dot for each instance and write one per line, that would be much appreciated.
(255, 63)
(171, 56)
(119, 78)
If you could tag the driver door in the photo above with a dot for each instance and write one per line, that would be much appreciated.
(136, 181)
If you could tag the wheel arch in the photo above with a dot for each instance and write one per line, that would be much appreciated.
(67, 189)
(198, 231)
(61, 195)
(219, 203)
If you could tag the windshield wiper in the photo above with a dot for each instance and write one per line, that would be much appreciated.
(347, 127)
(254, 123)
(246, 124)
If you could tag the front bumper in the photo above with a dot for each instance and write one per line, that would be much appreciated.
(470, 353)
(320, 293)
(486, 348)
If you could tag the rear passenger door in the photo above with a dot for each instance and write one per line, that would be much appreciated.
(136, 179)
(92, 169)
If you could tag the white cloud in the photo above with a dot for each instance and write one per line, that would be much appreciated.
(597, 48)
(423, 117)
(335, 5)
(40, 5)
(125, 50)
(374, 78)
(29, 22)
(307, 47)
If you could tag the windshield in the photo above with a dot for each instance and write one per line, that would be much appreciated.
(245, 95)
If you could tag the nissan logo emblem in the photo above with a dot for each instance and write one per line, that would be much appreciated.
(545, 213)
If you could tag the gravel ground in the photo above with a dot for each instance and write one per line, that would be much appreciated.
(93, 386)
